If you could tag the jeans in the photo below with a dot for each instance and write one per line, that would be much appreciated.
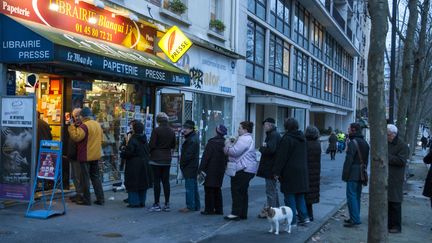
(239, 193)
(137, 198)
(353, 194)
(272, 193)
(76, 176)
(161, 174)
(192, 196)
(297, 203)
(90, 171)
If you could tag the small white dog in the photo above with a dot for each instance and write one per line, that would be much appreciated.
(275, 215)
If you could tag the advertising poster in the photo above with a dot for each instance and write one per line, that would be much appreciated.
(16, 147)
(172, 105)
(47, 167)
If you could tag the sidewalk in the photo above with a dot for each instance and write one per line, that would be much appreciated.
(416, 214)
(116, 223)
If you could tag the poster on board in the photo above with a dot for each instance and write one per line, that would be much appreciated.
(173, 106)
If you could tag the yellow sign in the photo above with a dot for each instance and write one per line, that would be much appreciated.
(174, 43)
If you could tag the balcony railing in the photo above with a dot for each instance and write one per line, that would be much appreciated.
(349, 33)
(339, 20)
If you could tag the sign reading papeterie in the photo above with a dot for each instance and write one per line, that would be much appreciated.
(174, 43)
(84, 19)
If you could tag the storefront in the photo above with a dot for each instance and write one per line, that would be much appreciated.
(66, 60)
(209, 99)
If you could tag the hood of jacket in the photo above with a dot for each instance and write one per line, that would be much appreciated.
(297, 135)
(141, 137)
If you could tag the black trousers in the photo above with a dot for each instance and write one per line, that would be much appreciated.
(239, 193)
(161, 174)
(213, 200)
(310, 211)
(90, 171)
(332, 154)
(395, 215)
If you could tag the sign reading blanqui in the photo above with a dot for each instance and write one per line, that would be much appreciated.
(85, 19)
(17, 112)
(174, 43)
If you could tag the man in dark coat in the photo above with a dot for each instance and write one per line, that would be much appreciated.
(398, 153)
(314, 168)
(332, 146)
(351, 172)
(291, 169)
(265, 169)
(189, 161)
(213, 163)
(427, 189)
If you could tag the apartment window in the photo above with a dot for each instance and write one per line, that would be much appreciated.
(301, 26)
(215, 9)
(329, 49)
(317, 38)
(258, 7)
(280, 15)
(347, 65)
(300, 71)
(350, 89)
(316, 79)
(255, 51)
(279, 62)
(338, 58)
(337, 89)
(328, 84)
(345, 92)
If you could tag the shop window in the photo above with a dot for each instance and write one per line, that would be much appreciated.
(300, 116)
(113, 105)
(282, 114)
(255, 51)
(210, 111)
(258, 7)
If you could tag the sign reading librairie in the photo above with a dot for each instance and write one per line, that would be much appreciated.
(17, 112)
(84, 19)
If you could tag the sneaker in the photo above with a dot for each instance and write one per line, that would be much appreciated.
(166, 208)
(155, 208)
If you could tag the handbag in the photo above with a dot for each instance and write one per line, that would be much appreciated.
(363, 167)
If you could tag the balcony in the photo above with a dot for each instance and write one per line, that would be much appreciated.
(338, 18)
(349, 33)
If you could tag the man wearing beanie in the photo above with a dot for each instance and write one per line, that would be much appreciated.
(189, 161)
(213, 163)
(88, 137)
(268, 152)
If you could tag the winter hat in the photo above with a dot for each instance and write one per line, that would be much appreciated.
(222, 130)
(269, 120)
(86, 112)
(189, 124)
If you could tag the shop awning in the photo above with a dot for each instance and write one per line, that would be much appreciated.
(27, 42)
(325, 109)
(277, 100)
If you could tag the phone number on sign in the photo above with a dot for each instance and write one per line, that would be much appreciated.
(93, 32)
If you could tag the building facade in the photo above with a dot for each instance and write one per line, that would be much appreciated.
(301, 61)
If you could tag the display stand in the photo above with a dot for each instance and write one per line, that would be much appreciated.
(49, 167)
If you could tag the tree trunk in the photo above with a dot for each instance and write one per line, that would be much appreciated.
(413, 119)
(407, 68)
(377, 227)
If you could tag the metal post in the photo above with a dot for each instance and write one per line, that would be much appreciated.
(392, 64)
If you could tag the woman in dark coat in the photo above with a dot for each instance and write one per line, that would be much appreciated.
(427, 191)
(213, 163)
(137, 172)
(332, 145)
(314, 168)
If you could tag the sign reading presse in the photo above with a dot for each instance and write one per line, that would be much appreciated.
(174, 43)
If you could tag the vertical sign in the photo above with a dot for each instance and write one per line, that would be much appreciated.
(16, 141)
